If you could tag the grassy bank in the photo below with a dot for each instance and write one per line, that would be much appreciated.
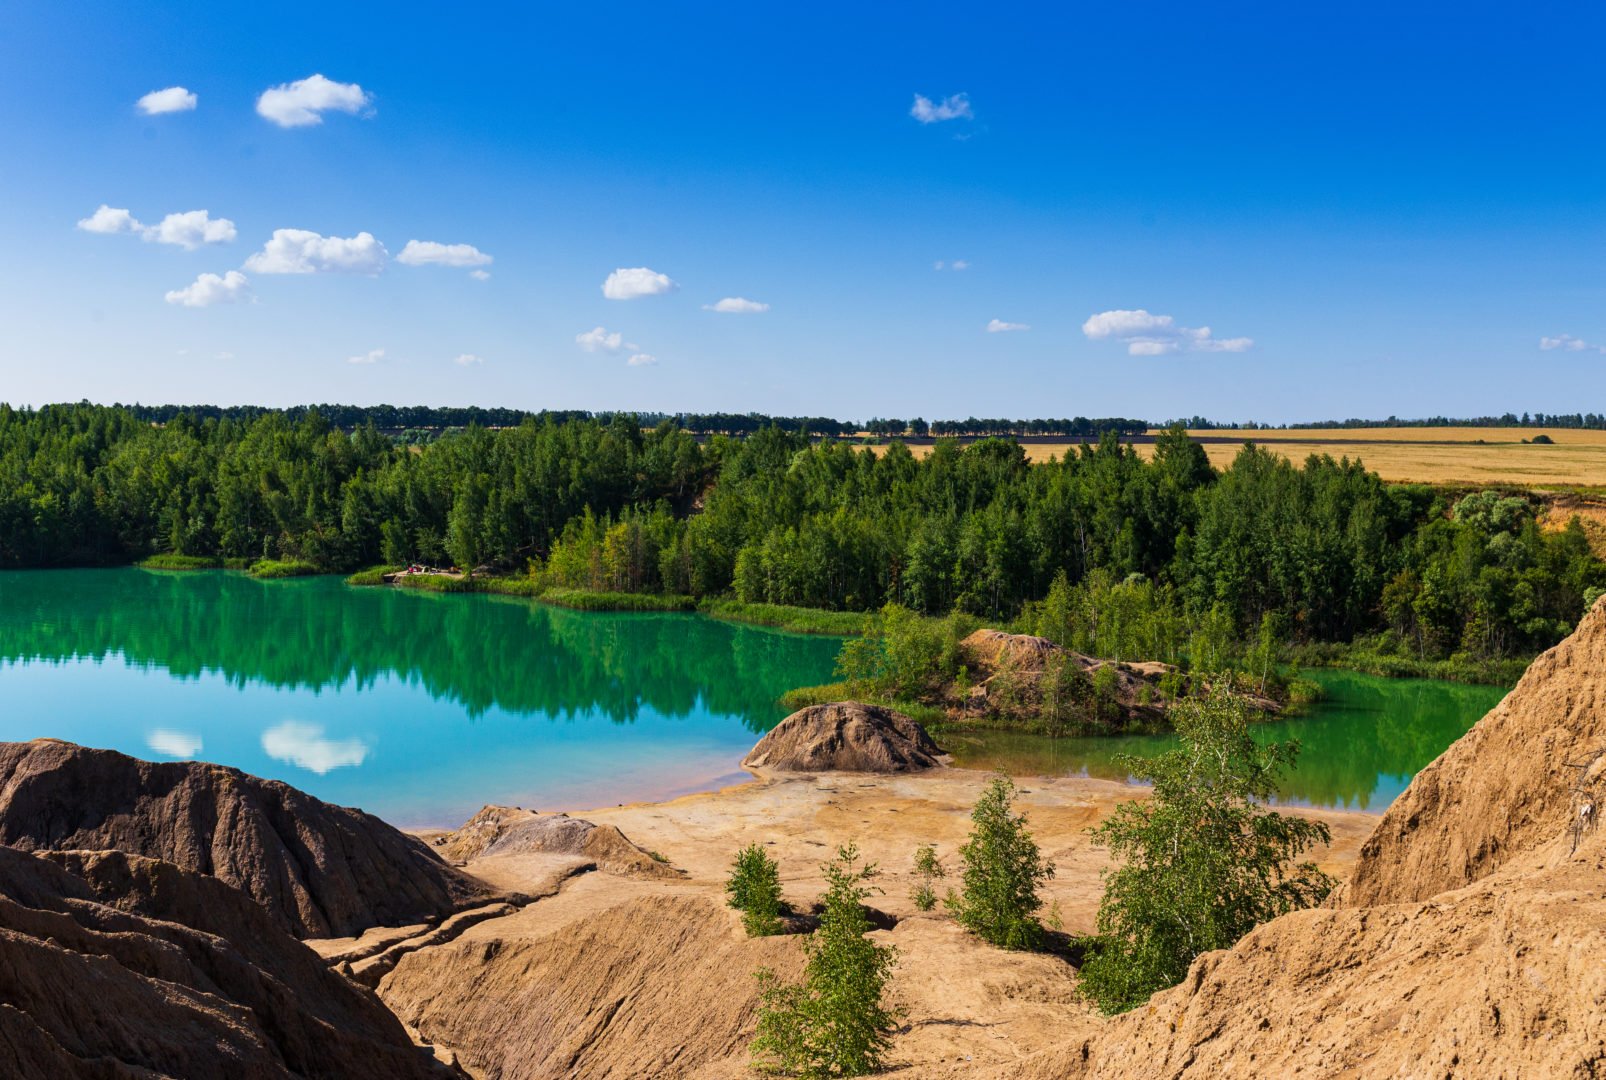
(800, 620)
(192, 562)
(268, 569)
(1360, 657)
(590, 600)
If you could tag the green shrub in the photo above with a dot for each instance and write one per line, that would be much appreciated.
(927, 870)
(801, 620)
(374, 575)
(754, 889)
(282, 568)
(1201, 862)
(1003, 868)
(167, 561)
(833, 1023)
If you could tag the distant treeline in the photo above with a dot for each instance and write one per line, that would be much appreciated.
(1153, 554)
(1592, 421)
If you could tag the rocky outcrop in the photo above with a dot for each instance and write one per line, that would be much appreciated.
(507, 830)
(1501, 789)
(101, 990)
(318, 870)
(845, 736)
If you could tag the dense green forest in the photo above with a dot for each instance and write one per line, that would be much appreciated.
(1144, 553)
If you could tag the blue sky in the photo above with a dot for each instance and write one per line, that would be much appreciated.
(1374, 210)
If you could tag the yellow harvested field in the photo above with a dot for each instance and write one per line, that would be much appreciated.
(1447, 455)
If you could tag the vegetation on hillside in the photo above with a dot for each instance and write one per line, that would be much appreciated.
(1326, 549)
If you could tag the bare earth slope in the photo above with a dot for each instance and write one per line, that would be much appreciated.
(320, 870)
(845, 736)
(1500, 790)
(95, 991)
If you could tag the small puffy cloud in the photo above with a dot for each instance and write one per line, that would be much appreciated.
(173, 744)
(301, 251)
(191, 229)
(208, 289)
(480, 275)
(465, 359)
(305, 745)
(737, 305)
(173, 99)
(630, 284)
(599, 339)
(957, 264)
(110, 221)
(429, 253)
(1564, 342)
(999, 326)
(1145, 334)
(372, 356)
(952, 107)
(188, 230)
(302, 103)
(641, 359)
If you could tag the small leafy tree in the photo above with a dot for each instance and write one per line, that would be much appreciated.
(998, 899)
(927, 869)
(754, 889)
(1201, 862)
(834, 1022)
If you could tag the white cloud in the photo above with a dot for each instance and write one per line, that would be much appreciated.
(303, 102)
(641, 359)
(600, 340)
(191, 229)
(1145, 334)
(480, 275)
(428, 253)
(999, 326)
(1564, 342)
(108, 220)
(957, 264)
(372, 356)
(173, 744)
(636, 282)
(305, 745)
(209, 289)
(173, 99)
(465, 359)
(188, 230)
(737, 305)
(952, 107)
(301, 251)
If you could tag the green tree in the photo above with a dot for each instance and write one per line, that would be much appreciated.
(1201, 862)
(834, 1022)
(927, 870)
(1003, 869)
(754, 889)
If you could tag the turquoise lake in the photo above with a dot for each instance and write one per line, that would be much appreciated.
(421, 708)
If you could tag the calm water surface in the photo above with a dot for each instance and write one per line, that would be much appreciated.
(421, 707)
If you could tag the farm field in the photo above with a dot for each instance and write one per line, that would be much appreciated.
(1447, 455)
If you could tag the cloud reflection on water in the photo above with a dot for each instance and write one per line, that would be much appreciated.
(304, 744)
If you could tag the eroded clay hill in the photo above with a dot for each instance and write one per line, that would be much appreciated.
(99, 979)
(319, 870)
(1469, 942)
(845, 736)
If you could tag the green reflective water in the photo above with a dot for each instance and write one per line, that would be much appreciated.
(415, 706)
(1359, 746)
(421, 707)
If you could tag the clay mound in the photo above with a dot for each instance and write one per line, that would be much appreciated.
(845, 736)
(658, 986)
(93, 991)
(1502, 788)
(319, 870)
(503, 830)
(990, 650)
